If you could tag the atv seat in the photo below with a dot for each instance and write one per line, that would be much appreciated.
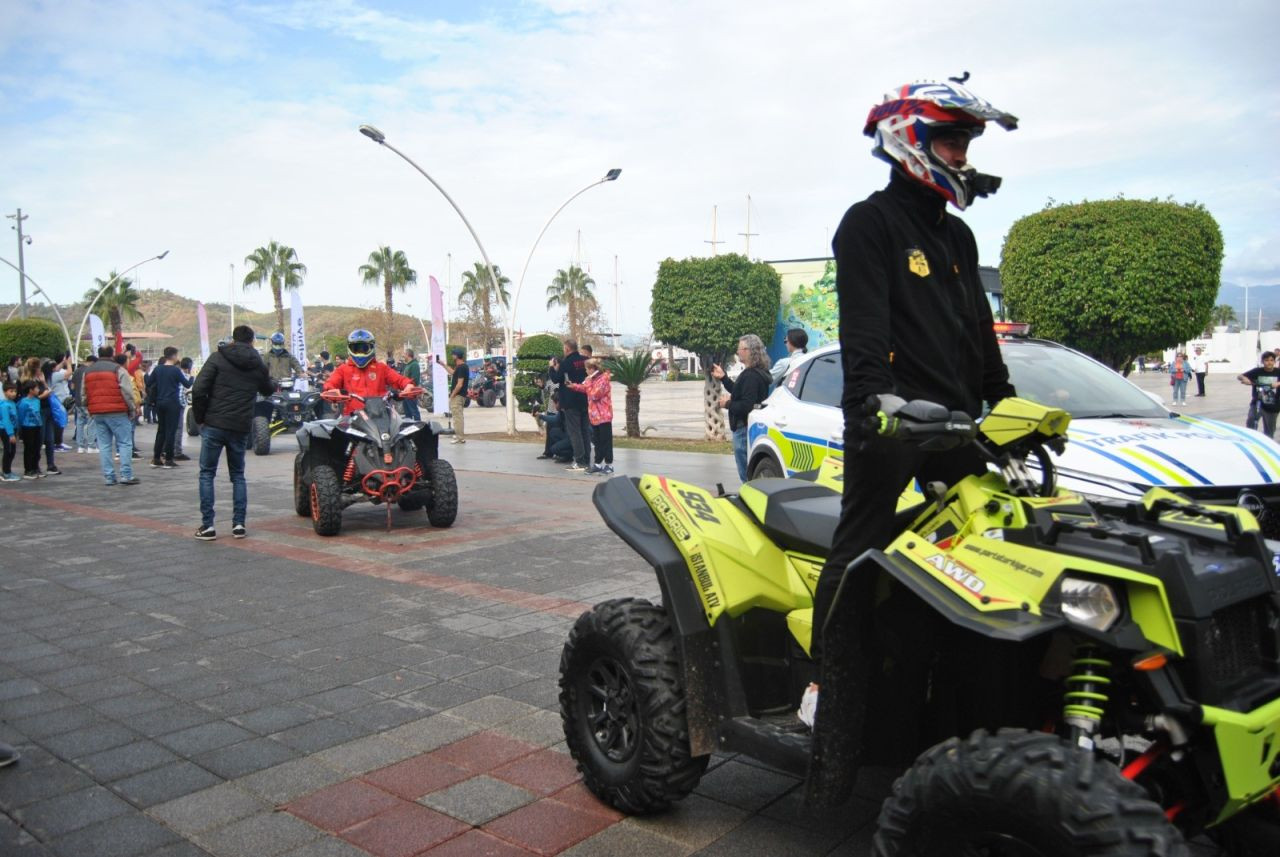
(795, 514)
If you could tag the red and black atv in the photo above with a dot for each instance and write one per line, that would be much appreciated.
(375, 455)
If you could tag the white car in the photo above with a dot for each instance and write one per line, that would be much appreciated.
(1122, 440)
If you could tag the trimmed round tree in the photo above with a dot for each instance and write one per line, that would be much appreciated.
(531, 361)
(31, 337)
(1115, 278)
(705, 305)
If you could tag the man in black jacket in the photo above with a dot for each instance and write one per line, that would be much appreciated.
(573, 404)
(914, 319)
(222, 401)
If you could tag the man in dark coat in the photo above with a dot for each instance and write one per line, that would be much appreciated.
(573, 404)
(222, 401)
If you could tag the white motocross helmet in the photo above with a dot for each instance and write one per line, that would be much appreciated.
(904, 122)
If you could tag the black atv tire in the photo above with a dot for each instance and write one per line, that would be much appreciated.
(326, 501)
(1255, 832)
(766, 468)
(301, 493)
(193, 427)
(442, 511)
(488, 398)
(624, 652)
(261, 436)
(990, 794)
(411, 504)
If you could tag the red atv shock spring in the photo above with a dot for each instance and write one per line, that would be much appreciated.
(350, 472)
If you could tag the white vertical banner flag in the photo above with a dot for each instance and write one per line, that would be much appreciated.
(439, 377)
(297, 328)
(97, 336)
(202, 319)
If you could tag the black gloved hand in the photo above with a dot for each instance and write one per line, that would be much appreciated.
(875, 416)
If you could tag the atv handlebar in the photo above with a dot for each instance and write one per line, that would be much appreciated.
(928, 425)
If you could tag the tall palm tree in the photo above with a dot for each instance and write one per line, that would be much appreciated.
(572, 289)
(391, 269)
(276, 265)
(631, 371)
(119, 302)
(479, 290)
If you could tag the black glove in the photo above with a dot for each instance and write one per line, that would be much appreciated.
(875, 416)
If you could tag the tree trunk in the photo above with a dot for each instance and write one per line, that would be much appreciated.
(279, 299)
(633, 412)
(715, 416)
(386, 294)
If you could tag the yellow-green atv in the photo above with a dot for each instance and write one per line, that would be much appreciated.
(1115, 667)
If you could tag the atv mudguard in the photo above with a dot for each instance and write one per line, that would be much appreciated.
(625, 512)
(847, 679)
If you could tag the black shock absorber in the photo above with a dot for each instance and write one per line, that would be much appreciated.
(1086, 698)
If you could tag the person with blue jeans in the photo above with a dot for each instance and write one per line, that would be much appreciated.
(222, 401)
(744, 395)
(107, 391)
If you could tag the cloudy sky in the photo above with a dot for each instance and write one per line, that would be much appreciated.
(207, 129)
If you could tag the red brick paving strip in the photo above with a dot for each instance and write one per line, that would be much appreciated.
(482, 752)
(339, 806)
(547, 826)
(407, 830)
(413, 778)
(544, 772)
(477, 843)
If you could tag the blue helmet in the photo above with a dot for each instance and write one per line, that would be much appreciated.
(277, 339)
(360, 345)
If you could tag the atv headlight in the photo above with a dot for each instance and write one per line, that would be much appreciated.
(1089, 603)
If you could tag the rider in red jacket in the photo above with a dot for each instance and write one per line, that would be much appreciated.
(363, 374)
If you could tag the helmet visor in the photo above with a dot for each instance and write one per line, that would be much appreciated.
(361, 348)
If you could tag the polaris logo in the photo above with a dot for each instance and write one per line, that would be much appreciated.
(957, 572)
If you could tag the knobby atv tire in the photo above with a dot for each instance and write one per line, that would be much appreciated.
(326, 501)
(488, 398)
(988, 794)
(193, 428)
(442, 511)
(301, 492)
(766, 468)
(261, 436)
(634, 755)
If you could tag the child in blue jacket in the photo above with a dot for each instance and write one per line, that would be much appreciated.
(31, 426)
(9, 431)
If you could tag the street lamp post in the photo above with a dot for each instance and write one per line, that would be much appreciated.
(28, 279)
(107, 285)
(509, 331)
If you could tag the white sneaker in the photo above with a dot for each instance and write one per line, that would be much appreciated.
(808, 705)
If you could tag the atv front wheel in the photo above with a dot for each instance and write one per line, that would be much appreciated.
(1255, 832)
(623, 707)
(326, 501)
(488, 398)
(301, 493)
(1020, 793)
(261, 436)
(443, 509)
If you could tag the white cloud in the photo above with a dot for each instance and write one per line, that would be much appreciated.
(209, 129)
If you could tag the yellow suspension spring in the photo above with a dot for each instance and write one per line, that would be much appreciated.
(1085, 701)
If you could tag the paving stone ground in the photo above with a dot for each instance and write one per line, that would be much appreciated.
(384, 693)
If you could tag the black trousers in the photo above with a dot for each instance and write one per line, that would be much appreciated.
(167, 414)
(9, 451)
(1200, 383)
(32, 440)
(874, 477)
(602, 438)
(578, 428)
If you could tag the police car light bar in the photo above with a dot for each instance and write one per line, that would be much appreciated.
(1012, 328)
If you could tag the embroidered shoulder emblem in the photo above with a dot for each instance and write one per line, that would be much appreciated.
(917, 263)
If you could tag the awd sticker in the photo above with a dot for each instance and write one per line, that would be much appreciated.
(957, 572)
(917, 263)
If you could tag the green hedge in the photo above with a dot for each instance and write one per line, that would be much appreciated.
(531, 361)
(31, 337)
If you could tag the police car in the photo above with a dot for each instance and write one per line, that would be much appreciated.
(1122, 440)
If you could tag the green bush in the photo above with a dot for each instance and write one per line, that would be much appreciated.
(1115, 278)
(31, 337)
(531, 361)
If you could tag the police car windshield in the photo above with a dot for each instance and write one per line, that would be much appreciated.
(1064, 379)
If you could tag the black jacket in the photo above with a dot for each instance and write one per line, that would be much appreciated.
(914, 318)
(228, 383)
(751, 388)
(573, 366)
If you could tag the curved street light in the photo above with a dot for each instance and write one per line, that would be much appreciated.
(381, 139)
(27, 277)
(509, 330)
(107, 285)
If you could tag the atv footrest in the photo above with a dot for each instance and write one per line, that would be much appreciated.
(774, 743)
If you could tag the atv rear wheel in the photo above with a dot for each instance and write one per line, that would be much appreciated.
(326, 501)
(301, 493)
(1255, 832)
(443, 508)
(488, 398)
(193, 428)
(261, 436)
(766, 468)
(623, 707)
(1020, 793)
